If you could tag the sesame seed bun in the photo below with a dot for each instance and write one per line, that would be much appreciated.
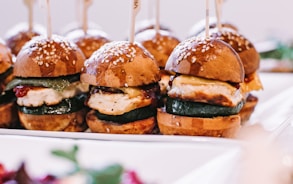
(160, 45)
(246, 50)
(144, 126)
(6, 57)
(17, 36)
(88, 42)
(43, 57)
(206, 58)
(221, 126)
(120, 64)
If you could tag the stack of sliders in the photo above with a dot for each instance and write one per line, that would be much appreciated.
(124, 89)
(8, 111)
(204, 97)
(46, 84)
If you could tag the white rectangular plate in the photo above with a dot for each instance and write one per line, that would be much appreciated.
(155, 162)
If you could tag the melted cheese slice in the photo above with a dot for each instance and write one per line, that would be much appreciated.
(39, 96)
(118, 103)
(253, 85)
(206, 91)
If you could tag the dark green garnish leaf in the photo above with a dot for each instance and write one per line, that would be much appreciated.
(283, 51)
(70, 155)
(109, 175)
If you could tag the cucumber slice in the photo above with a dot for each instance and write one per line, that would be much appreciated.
(66, 106)
(134, 115)
(195, 109)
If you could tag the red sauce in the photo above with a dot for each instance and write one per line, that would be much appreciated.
(21, 91)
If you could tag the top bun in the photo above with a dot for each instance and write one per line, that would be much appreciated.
(121, 64)
(160, 45)
(88, 42)
(5, 57)
(200, 26)
(20, 34)
(207, 58)
(246, 50)
(43, 57)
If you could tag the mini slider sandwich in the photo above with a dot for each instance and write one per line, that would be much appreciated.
(49, 93)
(204, 98)
(124, 89)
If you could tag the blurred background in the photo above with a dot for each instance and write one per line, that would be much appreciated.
(256, 19)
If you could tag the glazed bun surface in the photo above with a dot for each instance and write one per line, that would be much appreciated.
(121, 64)
(206, 58)
(160, 45)
(17, 36)
(43, 57)
(246, 50)
(5, 57)
(88, 42)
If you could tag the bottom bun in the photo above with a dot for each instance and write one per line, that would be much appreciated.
(144, 126)
(8, 115)
(73, 122)
(222, 126)
(248, 109)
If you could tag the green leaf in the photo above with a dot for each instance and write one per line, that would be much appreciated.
(109, 175)
(70, 155)
(282, 52)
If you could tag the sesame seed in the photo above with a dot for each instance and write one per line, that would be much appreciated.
(193, 59)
